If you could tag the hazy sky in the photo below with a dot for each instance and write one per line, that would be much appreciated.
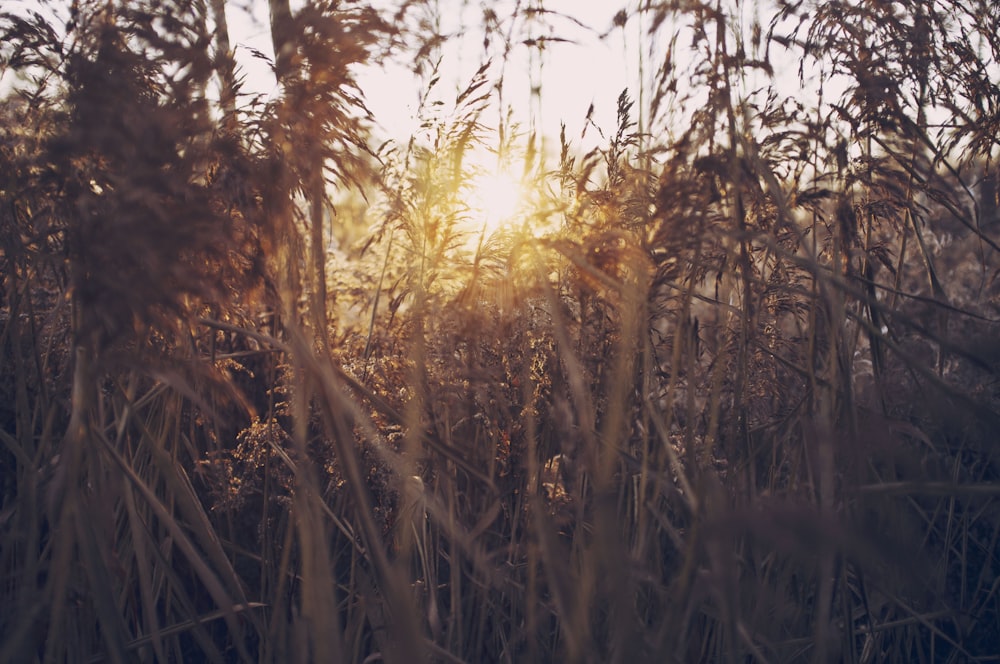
(587, 70)
(574, 75)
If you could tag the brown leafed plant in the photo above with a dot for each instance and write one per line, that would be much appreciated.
(726, 391)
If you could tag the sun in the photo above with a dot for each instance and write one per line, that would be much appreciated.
(495, 199)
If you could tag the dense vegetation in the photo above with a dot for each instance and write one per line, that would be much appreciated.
(727, 391)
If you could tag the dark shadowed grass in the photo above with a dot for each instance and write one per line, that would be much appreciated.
(733, 398)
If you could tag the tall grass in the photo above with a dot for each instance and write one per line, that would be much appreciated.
(726, 392)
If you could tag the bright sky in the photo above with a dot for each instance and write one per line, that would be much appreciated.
(573, 75)
(593, 67)
(588, 70)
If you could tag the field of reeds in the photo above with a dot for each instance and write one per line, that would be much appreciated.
(726, 389)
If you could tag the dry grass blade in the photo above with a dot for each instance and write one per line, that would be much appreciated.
(406, 638)
(208, 577)
(180, 628)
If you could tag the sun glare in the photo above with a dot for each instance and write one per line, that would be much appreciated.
(495, 198)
